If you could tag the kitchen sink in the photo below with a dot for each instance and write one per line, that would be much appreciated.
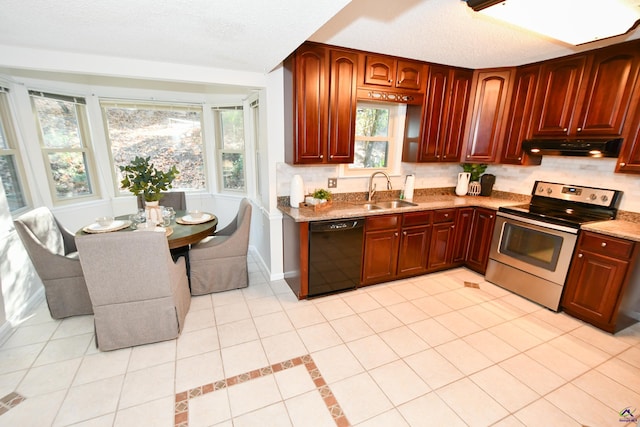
(370, 206)
(394, 204)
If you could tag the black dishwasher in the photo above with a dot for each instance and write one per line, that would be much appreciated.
(335, 255)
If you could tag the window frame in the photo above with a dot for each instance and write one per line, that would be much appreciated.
(220, 151)
(397, 114)
(152, 105)
(11, 139)
(84, 134)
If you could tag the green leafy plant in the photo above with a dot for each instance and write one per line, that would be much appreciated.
(322, 194)
(142, 177)
(475, 169)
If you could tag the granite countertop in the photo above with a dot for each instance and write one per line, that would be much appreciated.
(627, 226)
(345, 209)
(616, 228)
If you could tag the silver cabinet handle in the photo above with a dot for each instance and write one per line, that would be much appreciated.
(603, 244)
(579, 255)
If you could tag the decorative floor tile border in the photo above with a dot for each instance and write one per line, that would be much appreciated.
(11, 400)
(182, 398)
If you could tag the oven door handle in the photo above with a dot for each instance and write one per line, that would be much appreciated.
(538, 223)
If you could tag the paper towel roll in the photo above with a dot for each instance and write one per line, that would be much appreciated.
(296, 194)
(409, 183)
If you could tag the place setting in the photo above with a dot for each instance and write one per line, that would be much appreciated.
(106, 224)
(195, 217)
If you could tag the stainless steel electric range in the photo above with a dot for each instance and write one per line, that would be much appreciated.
(532, 244)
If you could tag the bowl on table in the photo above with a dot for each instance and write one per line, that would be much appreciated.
(196, 214)
(104, 221)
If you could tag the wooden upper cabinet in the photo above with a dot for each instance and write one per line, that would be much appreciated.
(390, 72)
(460, 94)
(324, 88)
(438, 134)
(491, 92)
(557, 95)
(608, 91)
(311, 103)
(629, 159)
(342, 106)
(519, 119)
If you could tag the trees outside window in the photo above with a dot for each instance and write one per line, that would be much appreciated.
(376, 138)
(170, 134)
(10, 165)
(64, 139)
(229, 124)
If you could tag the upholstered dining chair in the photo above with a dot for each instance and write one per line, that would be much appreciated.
(176, 199)
(219, 262)
(52, 250)
(139, 294)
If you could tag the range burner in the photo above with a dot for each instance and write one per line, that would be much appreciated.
(568, 205)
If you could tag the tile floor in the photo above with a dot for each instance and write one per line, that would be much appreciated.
(425, 351)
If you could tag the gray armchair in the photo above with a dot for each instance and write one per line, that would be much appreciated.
(175, 199)
(53, 253)
(219, 262)
(139, 294)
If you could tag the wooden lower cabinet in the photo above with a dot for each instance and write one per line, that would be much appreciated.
(599, 289)
(477, 255)
(464, 219)
(414, 244)
(381, 243)
(442, 240)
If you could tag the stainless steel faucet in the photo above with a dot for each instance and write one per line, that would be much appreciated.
(372, 186)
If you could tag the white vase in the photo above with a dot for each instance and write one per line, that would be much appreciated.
(463, 183)
(153, 211)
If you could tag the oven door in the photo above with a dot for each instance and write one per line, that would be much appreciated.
(541, 249)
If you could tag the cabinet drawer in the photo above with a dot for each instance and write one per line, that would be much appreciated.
(605, 245)
(382, 222)
(444, 215)
(416, 218)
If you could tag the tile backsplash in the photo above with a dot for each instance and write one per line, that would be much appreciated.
(512, 179)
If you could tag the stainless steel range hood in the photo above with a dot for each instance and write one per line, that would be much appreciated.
(602, 147)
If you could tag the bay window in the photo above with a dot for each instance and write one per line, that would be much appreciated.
(10, 165)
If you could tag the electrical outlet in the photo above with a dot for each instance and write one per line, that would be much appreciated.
(332, 182)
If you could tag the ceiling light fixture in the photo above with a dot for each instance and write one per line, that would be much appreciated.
(571, 21)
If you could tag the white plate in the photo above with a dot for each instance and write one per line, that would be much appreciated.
(167, 231)
(190, 220)
(115, 225)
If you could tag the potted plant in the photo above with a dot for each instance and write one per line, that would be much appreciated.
(475, 169)
(142, 177)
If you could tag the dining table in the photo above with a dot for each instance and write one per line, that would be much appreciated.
(179, 235)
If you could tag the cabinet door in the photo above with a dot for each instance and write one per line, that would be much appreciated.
(434, 121)
(464, 218)
(414, 247)
(441, 247)
(311, 100)
(557, 96)
(518, 126)
(480, 240)
(487, 118)
(608, 94)
(342, 106)
(379, 70)
(456, 114)
(409, 74)
(629, 159)
(593, 284)
(380, 256)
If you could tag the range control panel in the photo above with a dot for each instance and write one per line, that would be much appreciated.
(576, 193)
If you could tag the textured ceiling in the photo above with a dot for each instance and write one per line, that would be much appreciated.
(256, 35)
